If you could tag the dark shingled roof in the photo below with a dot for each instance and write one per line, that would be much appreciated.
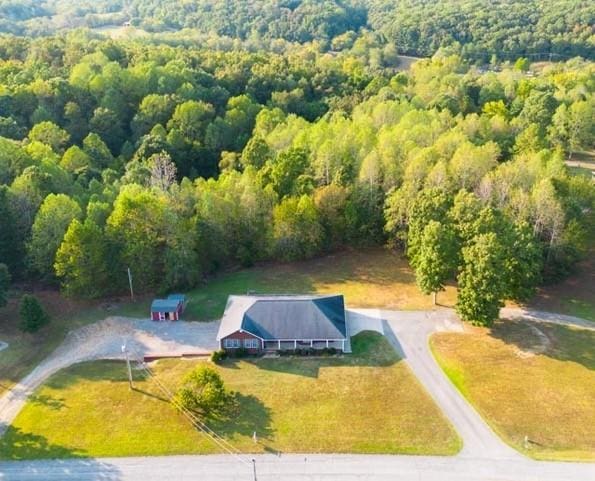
(285, 317)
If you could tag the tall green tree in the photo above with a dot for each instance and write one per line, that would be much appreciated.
(436, 259)
(4, 284)
(138, 227)
(10, 245)
(81, 260)
(481, 280)
(296, 228)
(51, 222)
(524, 263)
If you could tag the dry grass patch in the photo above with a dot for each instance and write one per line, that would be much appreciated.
(377, 277)
(368, 402)
(528, 379)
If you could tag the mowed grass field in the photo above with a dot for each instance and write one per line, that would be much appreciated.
(526, 379)
(367, 402)
(376, 277)
(368, 278)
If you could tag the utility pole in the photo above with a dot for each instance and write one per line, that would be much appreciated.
(128, 365)
(254, 468)
(130, 283)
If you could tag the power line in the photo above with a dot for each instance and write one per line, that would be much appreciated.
(194, 420)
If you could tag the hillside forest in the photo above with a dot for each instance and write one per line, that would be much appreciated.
(179, 159)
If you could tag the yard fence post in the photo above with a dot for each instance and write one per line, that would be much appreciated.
(254, 468)
(128, 365)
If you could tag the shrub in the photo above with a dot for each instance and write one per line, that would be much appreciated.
(33, 316)
(239, 352)
(203, 392)
(218, 356)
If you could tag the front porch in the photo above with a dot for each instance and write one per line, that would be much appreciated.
(293, 344)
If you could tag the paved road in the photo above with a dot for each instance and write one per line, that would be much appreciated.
(297, 467)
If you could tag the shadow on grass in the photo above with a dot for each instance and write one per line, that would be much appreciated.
(17, 444)
(247, 416)
(370, 349)
(49, 401)
(114, 371)
(563, 343)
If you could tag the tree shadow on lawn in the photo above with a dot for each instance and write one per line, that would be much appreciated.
(563, 343)
(370, 349)
(51, 402)
(17, 445)
(247, 415)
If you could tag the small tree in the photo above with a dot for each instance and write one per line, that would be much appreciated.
(203, 392)
(33, 316)
(4, 284)
(436, 258)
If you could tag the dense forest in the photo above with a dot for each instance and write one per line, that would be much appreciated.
(481, 29)
(178, 159)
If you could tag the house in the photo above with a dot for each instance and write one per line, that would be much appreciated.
(281, 322)
(168, 309)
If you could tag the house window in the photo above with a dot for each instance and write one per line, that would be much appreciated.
(231, 343)
(251, 343)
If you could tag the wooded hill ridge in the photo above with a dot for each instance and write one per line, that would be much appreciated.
(506, 29)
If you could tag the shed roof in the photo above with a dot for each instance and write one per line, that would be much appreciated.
(285, 317)
(177, 297)
(164, 305)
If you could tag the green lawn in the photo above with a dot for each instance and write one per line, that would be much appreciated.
(367, 402)
(528, 384)
(370, 278)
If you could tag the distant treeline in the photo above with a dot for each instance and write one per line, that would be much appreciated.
(505, 29)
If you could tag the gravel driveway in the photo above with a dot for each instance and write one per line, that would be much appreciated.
(104, 340)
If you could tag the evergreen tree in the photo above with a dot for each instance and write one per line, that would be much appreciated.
(33, 316)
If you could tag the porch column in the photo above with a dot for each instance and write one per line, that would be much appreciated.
(311, 342)
(295, 344)
(279, 344)
(327, 343)
(343, 345)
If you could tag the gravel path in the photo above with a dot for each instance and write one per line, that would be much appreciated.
(104, 340)
(549, 317)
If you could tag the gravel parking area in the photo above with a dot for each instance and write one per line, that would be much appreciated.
(104, 340)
